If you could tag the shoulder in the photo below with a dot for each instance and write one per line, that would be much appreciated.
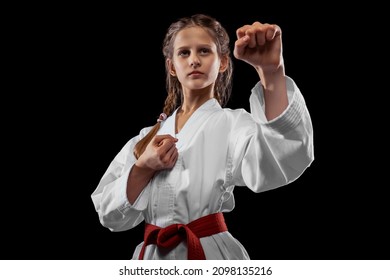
(233, 120)
(235, 116)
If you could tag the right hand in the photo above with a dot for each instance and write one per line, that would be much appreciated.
(161, 153)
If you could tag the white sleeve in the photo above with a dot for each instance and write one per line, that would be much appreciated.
(110, 199)
(272, 153)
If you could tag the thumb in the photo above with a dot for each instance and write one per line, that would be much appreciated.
(159, 139)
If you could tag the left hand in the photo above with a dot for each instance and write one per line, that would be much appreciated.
(260, 45)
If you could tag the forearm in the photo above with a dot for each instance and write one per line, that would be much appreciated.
(275, 91)
(139, 177)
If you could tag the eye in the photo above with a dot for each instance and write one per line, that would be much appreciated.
(183, 53)
(205, 50)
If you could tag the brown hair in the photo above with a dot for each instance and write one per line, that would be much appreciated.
(223, 84)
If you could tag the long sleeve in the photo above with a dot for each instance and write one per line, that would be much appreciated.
(272, 153)
(110, 199)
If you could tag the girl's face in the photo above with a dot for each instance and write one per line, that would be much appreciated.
(195, 60)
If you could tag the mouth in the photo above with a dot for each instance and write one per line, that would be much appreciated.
(195, 73)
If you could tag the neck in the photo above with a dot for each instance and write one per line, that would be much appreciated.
(194, 99)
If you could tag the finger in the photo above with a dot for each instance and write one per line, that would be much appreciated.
(240, 45)
(240, 32)
(165, 145)
(170, 152)
(251, 33)
(159, 139)
(170, 156)
(174, 157)
(259, 30)
(260, 37)
(272, 32)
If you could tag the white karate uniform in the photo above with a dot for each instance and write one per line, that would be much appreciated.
(218, 149)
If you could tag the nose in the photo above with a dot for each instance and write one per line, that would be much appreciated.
(194, 61)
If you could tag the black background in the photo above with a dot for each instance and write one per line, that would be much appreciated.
(84, 80)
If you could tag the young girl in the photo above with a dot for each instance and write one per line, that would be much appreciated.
(179, 175)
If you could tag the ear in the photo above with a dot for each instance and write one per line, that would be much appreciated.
(171, 67)
(224, 64)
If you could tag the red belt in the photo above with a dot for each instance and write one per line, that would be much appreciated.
(169, 237)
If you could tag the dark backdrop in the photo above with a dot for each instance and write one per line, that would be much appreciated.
(89, 78)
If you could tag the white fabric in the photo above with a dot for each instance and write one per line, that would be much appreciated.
(218, 150)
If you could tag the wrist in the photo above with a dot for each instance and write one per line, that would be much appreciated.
(142, 167)
(270, 77)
